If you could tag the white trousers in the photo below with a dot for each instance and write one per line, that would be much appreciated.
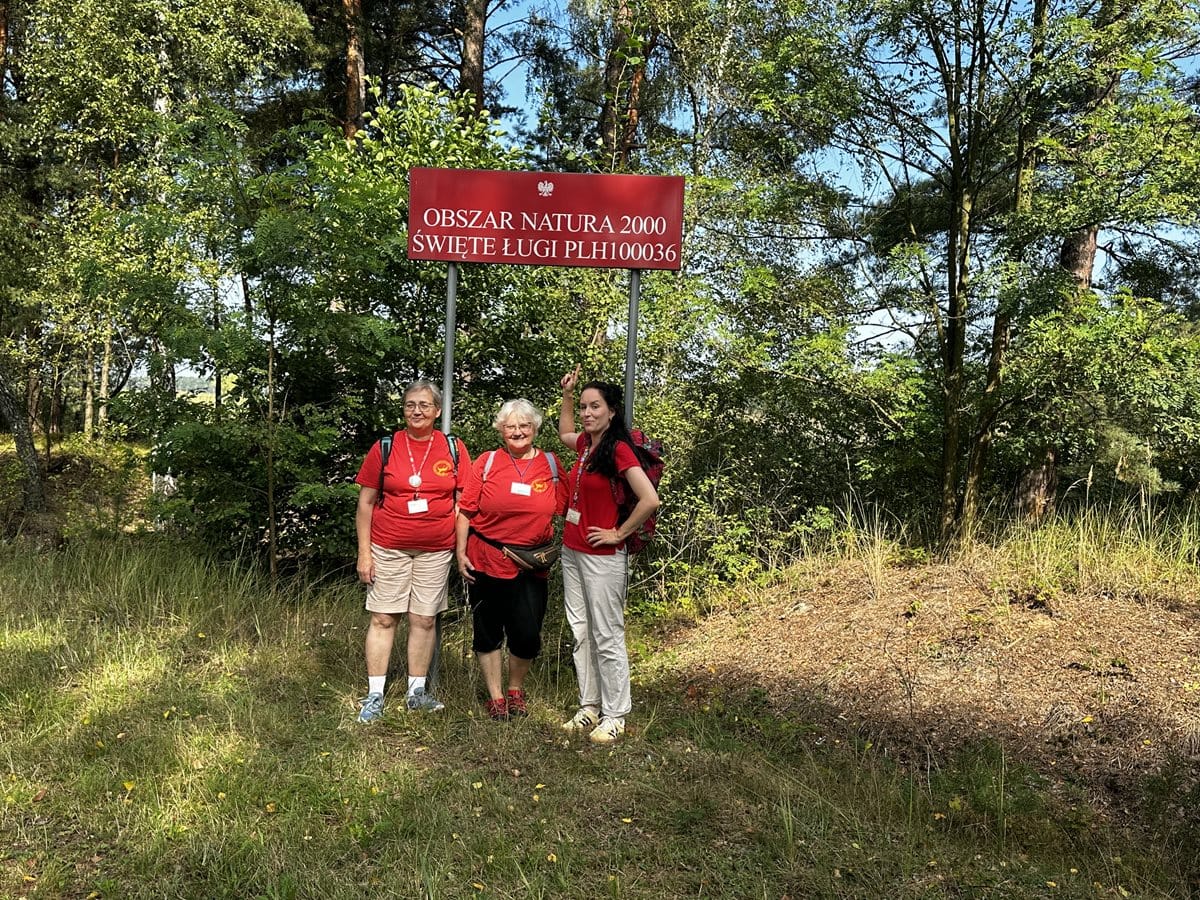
(594, 590)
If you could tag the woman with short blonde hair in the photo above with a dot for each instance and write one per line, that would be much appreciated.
(510, 499)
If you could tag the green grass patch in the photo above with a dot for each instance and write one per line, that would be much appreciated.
(173, 727)
(1132, 551)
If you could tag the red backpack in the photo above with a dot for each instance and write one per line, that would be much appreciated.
(650, 453)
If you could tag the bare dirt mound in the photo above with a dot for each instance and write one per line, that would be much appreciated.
(1101, 691)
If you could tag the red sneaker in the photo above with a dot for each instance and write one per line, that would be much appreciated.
(498, 710)
(516, 704)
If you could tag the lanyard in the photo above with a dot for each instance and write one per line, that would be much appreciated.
(414, 480)
(521, 474)
(582, 462)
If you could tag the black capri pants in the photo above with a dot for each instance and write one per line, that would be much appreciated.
(512, 607)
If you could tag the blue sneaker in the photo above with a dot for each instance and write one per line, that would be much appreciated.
(371, 708)
(419, 700)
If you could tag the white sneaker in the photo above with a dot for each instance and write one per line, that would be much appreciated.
(584, 720)
(608, 731)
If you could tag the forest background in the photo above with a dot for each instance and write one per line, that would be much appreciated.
(942, 256)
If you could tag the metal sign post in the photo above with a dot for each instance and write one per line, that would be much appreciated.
(448, 363)
(635, 294)
(447, 409)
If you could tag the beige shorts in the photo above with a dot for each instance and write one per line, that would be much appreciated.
(409, 581)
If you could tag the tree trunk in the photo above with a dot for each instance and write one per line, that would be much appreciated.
(45, 409)
(105, 365)
(218, 393)
(33, 394)
(1078, 255)
(89, 391)
(1002, 322)
(954, 339)
(356, 86)
(1038, 487)
(3, 47)
(57, 402)
(272, 531)
(12, 412)
(633, 109)
(954, 354)
(614, 72)
(474, 33)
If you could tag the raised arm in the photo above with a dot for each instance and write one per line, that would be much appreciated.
(566, 416)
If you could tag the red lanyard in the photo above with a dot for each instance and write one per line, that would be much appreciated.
(582, 462)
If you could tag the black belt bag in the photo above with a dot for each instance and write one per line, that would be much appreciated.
(529, 559)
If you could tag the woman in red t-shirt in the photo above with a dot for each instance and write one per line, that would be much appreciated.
(511, 497)
(594, 562)
(406, 543)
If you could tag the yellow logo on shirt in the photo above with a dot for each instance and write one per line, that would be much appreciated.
(541, 486)
(443, 467)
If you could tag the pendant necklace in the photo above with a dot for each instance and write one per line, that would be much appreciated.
(414, 480)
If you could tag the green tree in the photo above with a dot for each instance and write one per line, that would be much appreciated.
(90, 89)
(317, 318)
(979, 123)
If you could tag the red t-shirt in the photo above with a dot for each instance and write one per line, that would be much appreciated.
(503, 515)
(591, 493)
(392, 525)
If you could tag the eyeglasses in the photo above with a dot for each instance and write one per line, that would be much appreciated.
(423, 406)
(524, 426)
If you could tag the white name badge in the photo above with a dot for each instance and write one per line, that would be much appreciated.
(418, 506)
(525, 490)
(573, 516)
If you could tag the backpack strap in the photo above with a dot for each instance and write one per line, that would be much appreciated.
(487, 467)
(385, 452)
(551, 460)
(452, 443)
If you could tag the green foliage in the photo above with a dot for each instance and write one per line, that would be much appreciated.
(1114, 385)
(101, 488)
(314, 349)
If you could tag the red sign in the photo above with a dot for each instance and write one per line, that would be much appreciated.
(541, 218)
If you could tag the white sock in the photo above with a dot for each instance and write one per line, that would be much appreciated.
(414, 682)
(375, 683)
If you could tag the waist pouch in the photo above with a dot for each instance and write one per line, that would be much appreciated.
(538, 558)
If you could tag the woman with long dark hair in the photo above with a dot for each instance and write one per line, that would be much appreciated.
(594, 562)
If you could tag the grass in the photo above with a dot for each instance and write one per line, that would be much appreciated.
(1130, 551)
(173, 727)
